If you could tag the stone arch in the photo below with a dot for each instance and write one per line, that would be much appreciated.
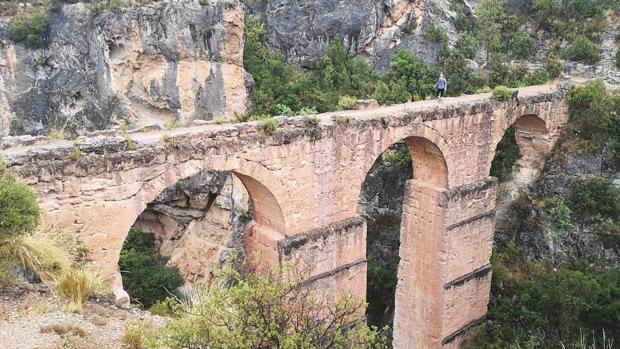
(417, 232)
(533, 139)
(269, 224)
(426, 148)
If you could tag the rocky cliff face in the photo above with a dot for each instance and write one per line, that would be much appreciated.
(536, 237)
(171, 61)
(302, 29)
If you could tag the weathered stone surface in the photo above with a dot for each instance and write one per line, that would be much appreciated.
(199, 223)
(305, 179)
(374, 29)
(168, 60)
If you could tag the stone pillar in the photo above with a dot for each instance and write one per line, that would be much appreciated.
(444, 272)
(334, 257)
(418, 304)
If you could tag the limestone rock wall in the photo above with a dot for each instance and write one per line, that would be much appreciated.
(170, 60)
(302, 29)
(199, 223)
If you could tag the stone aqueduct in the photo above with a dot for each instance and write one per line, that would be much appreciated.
(304, 181)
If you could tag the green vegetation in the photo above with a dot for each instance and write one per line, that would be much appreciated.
(51, 255)
(380, 291)
(502, 93)
(594, 200)
(19, 211)
(545, 307)
(346, 102)
(171, 142)
(248, 310)
(506, 156)
(267, 127)
(595, 121)
(29, 28)
(399, 157)
(583, 50)
(146, 277)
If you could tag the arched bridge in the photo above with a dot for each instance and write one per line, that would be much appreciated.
(304, 181)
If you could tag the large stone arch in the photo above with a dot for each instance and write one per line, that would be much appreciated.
(269, 220)
(417, 304)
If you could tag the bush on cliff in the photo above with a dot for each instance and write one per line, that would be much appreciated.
(550, 307)
(250, 310)
(29, 28)
(501, 93)
(146, 277)
(595, 120)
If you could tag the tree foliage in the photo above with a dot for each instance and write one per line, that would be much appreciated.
(548, 307)
(146, 277)
(506, 156)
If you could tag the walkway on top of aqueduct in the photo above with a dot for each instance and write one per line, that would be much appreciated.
(304, 181)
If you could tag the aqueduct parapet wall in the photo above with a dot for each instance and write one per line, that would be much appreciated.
(304, 181)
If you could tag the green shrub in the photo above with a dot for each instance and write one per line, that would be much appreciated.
(246, 310)
(554, 210)
(407, 70)
(346, 102)
(19, 211)
(549, 305)
(502, 93)
(553, 65)
(282, 109)
(170, 141)
(436, 34)
(468, 45)
(506, 155)
(307, 111)
(539, 77)
(523, 45)
(596, 198)
(618, 59)
(399, 157)
(267, 126)
(582, 50)
(594, 118)
(29, 29)
(146, 277)
(393, 92)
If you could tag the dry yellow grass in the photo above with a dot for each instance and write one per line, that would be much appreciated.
(77, 285)
(62, 329)
(46, 253)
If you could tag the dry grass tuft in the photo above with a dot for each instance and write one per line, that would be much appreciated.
(62, 329)
(46, 253)
(78, 285)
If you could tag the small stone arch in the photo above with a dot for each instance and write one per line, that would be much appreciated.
(533, 138)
